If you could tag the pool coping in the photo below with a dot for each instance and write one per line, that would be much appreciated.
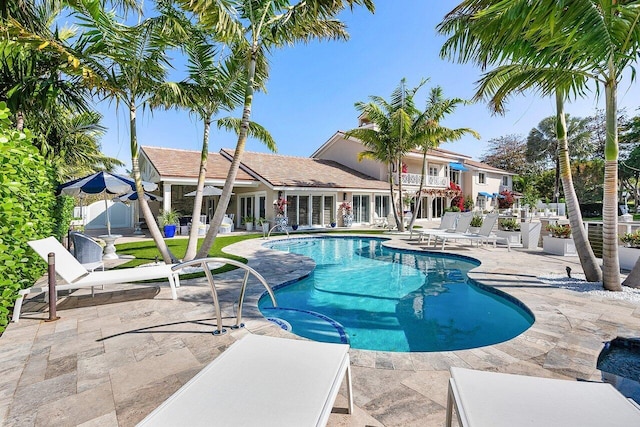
(556, 336)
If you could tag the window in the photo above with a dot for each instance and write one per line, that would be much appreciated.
(360, 208)
(482, 203)
(505, 181)
(382, 206)
(454, 176)
(433, 171)
(481, 178)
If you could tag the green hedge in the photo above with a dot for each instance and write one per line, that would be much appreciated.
(27, 201)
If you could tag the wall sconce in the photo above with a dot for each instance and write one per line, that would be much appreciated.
(279, 194)
(344, 197)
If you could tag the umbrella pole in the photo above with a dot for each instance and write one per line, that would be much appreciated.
(106, 205)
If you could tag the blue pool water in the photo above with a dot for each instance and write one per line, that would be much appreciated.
(389, 300)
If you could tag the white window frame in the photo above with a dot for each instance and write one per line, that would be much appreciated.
(482, 178)
(505, 181)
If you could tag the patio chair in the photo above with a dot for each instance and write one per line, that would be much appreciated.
(87, 251)
(447, 221)
(463, 220)
(75, 276)
(263, 381)
(483, 235)
(379, 222)
(226, 226)
(505, 400)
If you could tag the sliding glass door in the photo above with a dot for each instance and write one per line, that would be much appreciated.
(361, 207)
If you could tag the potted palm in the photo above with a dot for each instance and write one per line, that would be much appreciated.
(475, 224)
(262, 222)
(248, 222)
(168, 220)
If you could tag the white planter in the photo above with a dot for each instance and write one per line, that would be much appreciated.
(530, 234)
(474, 229)
(512, 236)
(249, 226)
(559, 246)
(265, 227)
(628, 257)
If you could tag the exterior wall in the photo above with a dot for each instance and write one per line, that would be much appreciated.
(493, 183)
(346, 151)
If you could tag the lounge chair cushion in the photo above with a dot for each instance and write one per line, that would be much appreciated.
(504, 400)
(261, 381)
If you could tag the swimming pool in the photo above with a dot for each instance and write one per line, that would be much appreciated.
(383, 299)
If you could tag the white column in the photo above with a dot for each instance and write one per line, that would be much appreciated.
(166, 201)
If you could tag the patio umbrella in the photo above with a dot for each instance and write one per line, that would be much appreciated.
(102, 183)
(209, 190)
(132, 195)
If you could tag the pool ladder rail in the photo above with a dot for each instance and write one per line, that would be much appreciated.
(204, 264)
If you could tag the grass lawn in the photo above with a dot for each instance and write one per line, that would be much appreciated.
(146, 252)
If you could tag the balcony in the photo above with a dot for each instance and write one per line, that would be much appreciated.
(413, 179)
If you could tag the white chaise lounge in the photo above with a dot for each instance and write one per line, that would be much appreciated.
(490, 399)
(75, 276)
(484, 235)
(261, 381)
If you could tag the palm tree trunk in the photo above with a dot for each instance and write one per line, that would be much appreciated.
(611, 263)
(167, 256)
(392, 192)
(588, 260)
(19, 121)
(223, 203)
(400, 216)
(419, 201)
(192, 245)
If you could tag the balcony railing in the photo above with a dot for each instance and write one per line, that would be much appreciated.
(430, 181)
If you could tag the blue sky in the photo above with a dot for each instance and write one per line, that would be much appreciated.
(313, 88)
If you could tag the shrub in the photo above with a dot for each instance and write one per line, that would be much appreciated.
(476, 221)
(509, 224)
(26, 206)
(631, 240)
(559, 230)
(468, 203)
(506, 199)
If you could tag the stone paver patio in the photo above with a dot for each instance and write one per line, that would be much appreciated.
(111, 359)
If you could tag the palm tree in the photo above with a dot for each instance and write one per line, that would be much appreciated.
(542, 144)
(391, 137)
(562, 45)
(428, 133)
(211, 86)
(130, 63)
(256, 28)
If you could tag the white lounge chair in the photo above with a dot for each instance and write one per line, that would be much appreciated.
(484, 399)
(483, 235)
(448, 221)
(261, 381)
(463, 220)
(75, 276)
(379, 222)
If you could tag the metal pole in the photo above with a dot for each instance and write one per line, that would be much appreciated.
(52, 287)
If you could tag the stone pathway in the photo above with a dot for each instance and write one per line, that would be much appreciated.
(113, 358)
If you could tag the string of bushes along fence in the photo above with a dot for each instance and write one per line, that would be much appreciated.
(27, 205)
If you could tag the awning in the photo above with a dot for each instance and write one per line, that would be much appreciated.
(457, 166)
(487, 195)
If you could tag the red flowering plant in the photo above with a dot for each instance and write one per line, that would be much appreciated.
(506, 199)
(279, 205)
(345, 207)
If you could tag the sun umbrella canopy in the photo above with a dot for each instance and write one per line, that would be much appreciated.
(132, 195)
(102, 183)
(209, 190)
